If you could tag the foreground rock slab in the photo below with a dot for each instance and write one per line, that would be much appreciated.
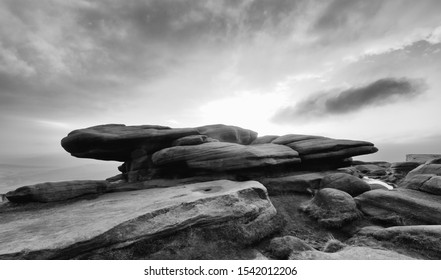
(115, 220)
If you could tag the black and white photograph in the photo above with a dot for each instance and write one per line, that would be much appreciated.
(240, 130)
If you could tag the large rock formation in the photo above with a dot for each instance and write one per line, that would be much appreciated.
(149, 151)
(68, 230)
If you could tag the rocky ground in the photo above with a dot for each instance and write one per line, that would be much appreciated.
(221, 192)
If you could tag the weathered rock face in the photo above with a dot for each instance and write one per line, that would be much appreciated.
(423, 182)
(58, 191)
(225, 156)
(150, 151)
(434, 169)
(410, 206)
(331, 208)
(317, 147)
(61, 231)
(351, 253)
(117, 141)
(345, 182)
(419, 238)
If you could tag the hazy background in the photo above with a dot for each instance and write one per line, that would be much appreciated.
(354, 69)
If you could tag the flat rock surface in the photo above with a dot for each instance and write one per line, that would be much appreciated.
(414, 207)
(352, 253)
(119, 219)
(220, 156)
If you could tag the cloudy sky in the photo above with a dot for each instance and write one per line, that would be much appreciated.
(354, 69)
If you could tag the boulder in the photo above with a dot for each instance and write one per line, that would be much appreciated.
(282, 247)
(331, 208)
(56, 191)
(228, 133)
(423, 182)
(193, 140)
(117, 220)
(117, 141)
(345, 182)
(302, 183)
(351, 253)
(409, 206)
(220, 156)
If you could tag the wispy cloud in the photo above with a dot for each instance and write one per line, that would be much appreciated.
(334, 102)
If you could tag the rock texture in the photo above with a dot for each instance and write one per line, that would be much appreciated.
(351, 253)
(120, 219)
(225, 156)
(423, 182)
(332, 208)
(57, 191)
(317, 147)
(117, 141)
(410, 206)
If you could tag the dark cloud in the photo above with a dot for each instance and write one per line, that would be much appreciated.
(334, 102)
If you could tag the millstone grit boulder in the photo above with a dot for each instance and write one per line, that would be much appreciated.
(332, 208)
(220, 156)
(345, 182)
(411, 207)
(56, 191)
(116, 220)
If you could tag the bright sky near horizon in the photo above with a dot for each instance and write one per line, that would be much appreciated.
(354, 69)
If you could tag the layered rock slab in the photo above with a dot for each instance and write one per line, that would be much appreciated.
(117, 141)
(221, 156)
(312, 147)
(410, 206)
(120, 219)
(57, 191)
